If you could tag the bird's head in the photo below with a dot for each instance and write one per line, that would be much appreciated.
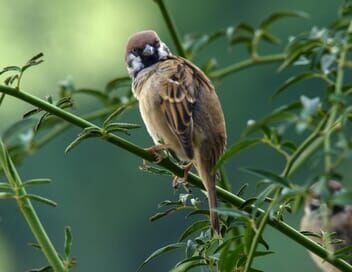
(318, 191)
(143, 50)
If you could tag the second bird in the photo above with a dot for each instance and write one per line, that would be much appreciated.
(179, 107)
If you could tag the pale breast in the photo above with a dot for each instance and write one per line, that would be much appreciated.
(153, 117)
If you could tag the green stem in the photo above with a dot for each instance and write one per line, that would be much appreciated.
(62, 127)
(226, 196)
(222, 72)
(334, 110)
(172, 28)
(31, 216)
(301, 154)
(259, 232)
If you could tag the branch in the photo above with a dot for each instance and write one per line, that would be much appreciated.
(29, 213)
(222, 72)
(172, 28)
(226, 196)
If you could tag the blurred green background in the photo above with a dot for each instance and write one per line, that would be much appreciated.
(101, 193)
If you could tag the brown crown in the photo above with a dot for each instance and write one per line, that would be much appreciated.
(140, 39)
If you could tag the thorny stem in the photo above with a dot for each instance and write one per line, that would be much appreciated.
(172, 28)
(225, 195)
(30, 215)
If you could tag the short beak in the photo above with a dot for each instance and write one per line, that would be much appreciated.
(148, 50)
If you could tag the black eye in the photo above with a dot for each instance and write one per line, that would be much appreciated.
(134, 50)
(313, 207)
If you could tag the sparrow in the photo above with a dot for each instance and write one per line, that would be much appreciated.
(339, 221)
(179, 107)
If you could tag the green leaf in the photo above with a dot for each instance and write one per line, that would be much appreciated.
(117, 83)
(198, 212)
(5, 195)
(114, 114)
(31, 182)
(10, 68)
(122, 127)
(35, 246)
(187, 266)
(268, 175)
(279, 114)
(42, 269)
(196, 226)
(227, 242)
(263, 253)
(235, 149)
(293, 80)
(41, 199)
(5, 186)
(249, 202)
(89, 132)
(68, 242)
(161, 214)
(274, 17)
(31, 112)
(297, 50)
(240, 39)
(32, 62)
(343, 198)
(41, 120)
(312, 234)
(2, 97)
(242, 189)
(270, 38)
(95, 93)
(191, 259)
(231, 212)
(189, 263)
(228, 258)
(161, 251)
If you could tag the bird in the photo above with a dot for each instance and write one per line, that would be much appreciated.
(179, 107)
(338, 221)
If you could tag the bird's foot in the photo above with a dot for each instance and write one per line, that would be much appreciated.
(182, 180)
(155, 151)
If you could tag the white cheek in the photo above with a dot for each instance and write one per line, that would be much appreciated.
(163, 51)
(136, 64)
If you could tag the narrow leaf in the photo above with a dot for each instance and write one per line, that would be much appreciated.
(161, 251)
(196, 226)
(161, 214)
(280, 15)
(41, 199)
(68, 242)
(31, 182)
(343, 198)
(10, 68)
(2, 97)
(42, 269)
(293, 54)
(89, 132)
(114, 114)
(117, 83)
(95, 93)
(293, 80)
(236, 149)
(268, 175)
(5, 195)
(279, 114)
(4, 186)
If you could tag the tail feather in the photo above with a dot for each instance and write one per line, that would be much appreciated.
(209, 182)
